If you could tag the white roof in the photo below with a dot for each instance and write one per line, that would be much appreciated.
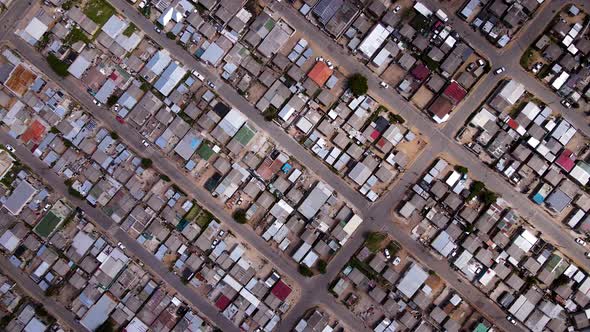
(249, 297)
(310, 258)
(79, 66)
(232, 122)
(159, 61)
(412, 281)
(36, 28)
(512, 91)
(231, 282)
(560, 80)
(531, 110)
(9, 241)
(482, 117)
(136, 325)
(352, 224)
(373, 40)
(170, 78)
(114, 26)
(580, 174)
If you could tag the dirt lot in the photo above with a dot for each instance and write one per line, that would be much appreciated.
(393, 74)
(422, 97)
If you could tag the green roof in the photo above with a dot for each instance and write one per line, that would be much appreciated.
(552, 262)
(481, 328)
(47, 225)
(205, 151)
(244, 135)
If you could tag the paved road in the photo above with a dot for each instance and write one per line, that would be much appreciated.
(439, 141)
(108, 227)
(65, 317)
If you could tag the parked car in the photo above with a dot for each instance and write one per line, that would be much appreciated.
(199, 75)
(10, 148)
(470, 67)
(158, 30)
(566, 103)
(120, 119)
(396, 261)
(211, 85)
(537, 67)
(221, 233)
(499, 70)
(120, 245)
(587, 254)
(319, 58)
(386, 253)
(511, 319)
(96, 102)
(384, 85)
(480, 62)
(145, 143)
(214, 244)
(396, 9)
(581, 242)
(142, 4)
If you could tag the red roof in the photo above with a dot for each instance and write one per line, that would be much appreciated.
(512, 123)
(566, 160)
(320, 73)
(375, 134)
(113, 76)
(281, 290)
(455, 92)
(34, 132)
(381, 142)
(222, 302)
(421, 72)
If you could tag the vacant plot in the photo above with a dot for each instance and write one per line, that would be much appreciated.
(422, 97)
(99, 11)
(47, 225)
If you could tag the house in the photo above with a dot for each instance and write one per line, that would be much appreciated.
(440, 109)
(19, 197)
(373, 40)
(315, 200)
(412, 281)
(170, 78)
(320, 73)
(34, 31)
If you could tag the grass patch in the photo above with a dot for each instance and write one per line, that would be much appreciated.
(529, 57)
(130, 30)
(47, 225)
(58, 66)
(204, 219)
(76, 35)
(375, 240)
(99, 11)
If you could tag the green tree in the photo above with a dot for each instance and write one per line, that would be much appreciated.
(305, 271)
(357, 83)
(270, 113)
(146, 162)
(170, 35)
(164, 177)
(58, 66)
(114, 135)
(476, 188)
(322, 266)
(489, 197)
(240, 216)
(107, 326)
(112, 100)
(461, 169)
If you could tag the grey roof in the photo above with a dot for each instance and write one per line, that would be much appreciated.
(412, 281)
(19, 197)
(315, 200)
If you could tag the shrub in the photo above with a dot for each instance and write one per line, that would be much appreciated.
(270, 113)
(170, 35)
(114, 135)
(58, 66)
(358, 85)
(164, 177)
(146, 163)
(305, 271)
(461, 169)
(240, 216)
(322, 266)
(112, 100)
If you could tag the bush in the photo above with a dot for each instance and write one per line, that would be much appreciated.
(112, 100)
(54, 130)
(164, 177)
(270, 113)
(240, 216)
(374, 240)
(107, 326)
(146, 162)
(396, 118)
(476, 188)
(114, 135)
(489, 197)
(358, 85)
(305, 271)
(170, 35)
(461, 169)
(58, 66)
(322, 266)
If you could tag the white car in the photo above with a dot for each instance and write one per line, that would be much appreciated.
(330, 65)
(396, 9)
(566, 103)
(120, 245)
(581, 242)
(145, 143)
(537, 67)
(384, 85)
(199, 76)
(142, 4)
(96, 102)
(396, 261)
(481, 62)
(319, 59)
(221, 233)
(214, 244)
(499, 70)
(158, 30)
(386, 253)
(211, 85)
(511, 319)
(10, 148)
(587, 254)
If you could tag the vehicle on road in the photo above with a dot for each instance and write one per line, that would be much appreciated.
(211, 85)
(511, 319)
(145, 143)
(120, 245)
(386, 253)
(384, 85)
(581, 242)
(158, 30)
(566, 103)
(120, 119)
(96, 102)
(199, 75)
(214, 244)
(499, 71)
(10, 148)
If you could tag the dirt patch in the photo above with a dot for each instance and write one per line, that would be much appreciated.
(422, 97)
(393, 74)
